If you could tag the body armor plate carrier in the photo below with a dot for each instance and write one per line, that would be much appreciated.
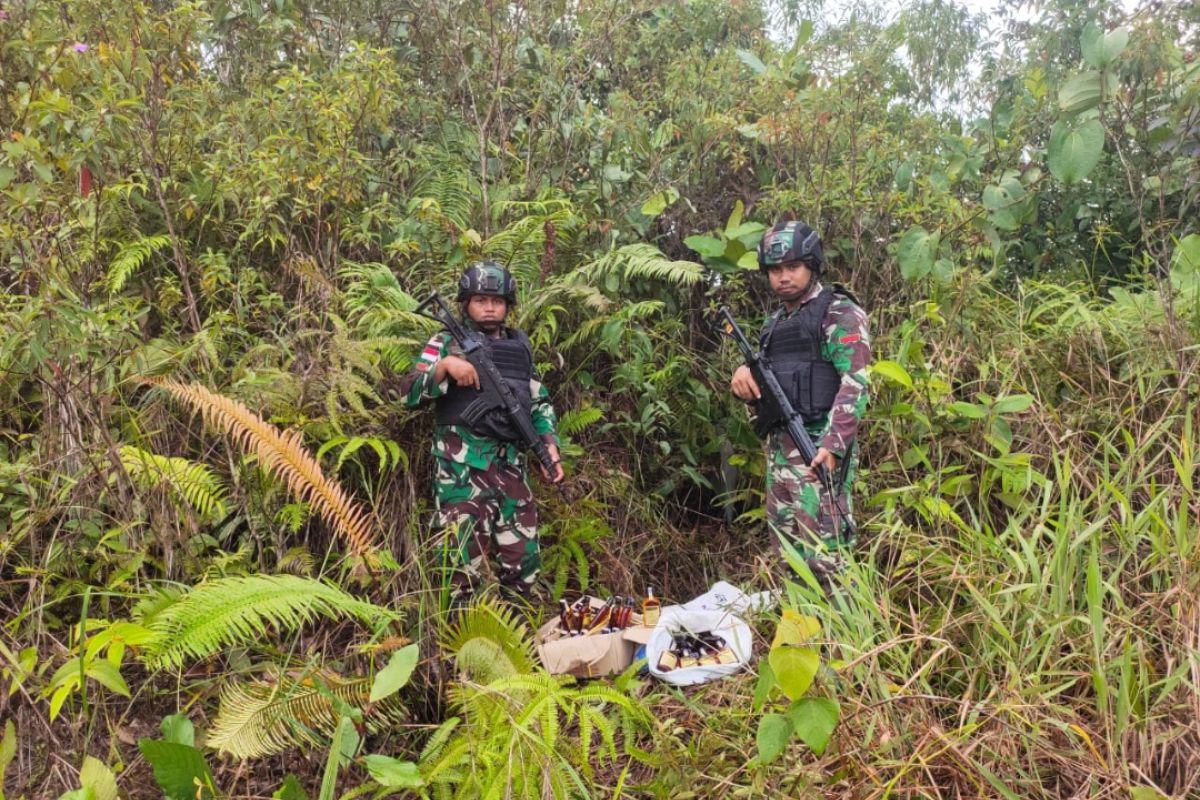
(482, 413)
(793, 347)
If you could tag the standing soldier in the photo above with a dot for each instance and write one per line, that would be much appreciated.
(484, 504)
(819, 348)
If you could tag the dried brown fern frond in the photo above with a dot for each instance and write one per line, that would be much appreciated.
(260, 719)
(282, 453)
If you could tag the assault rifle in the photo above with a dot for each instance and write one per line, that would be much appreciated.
(775, 406)
(494, 390)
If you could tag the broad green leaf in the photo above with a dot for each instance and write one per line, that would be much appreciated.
(795, 628)
(735, 218)
(1146, 793)
(67, 674)
(1101, 49)
(744, 229)
(893, 372)
(1003, 201)
(388, 771)
(1075, 149)
(804, 34)
(659, 201)
(904, 176)
(613, 173)
(397, 672)
(179, 770)
(794, 668)
(1081, 92)
(1186, 258)
(752, 61)
(78, 794)
(95, 775)
(178, 728)
(1000, 435)
(916, 252)
(749, 260)
(943, 270)
(707, 246)
(774, 730)
(108, 676)
(1012, 404)
(6, 176)
(290, 789)
(813, 719)
(8, 747)
(968, 410)
(766, 682)
(60, 696)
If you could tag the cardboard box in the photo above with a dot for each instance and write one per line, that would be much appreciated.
(589, 656)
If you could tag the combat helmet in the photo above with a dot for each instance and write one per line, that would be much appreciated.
(490, 278)
(790, 241)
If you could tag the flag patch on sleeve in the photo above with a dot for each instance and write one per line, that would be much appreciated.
(429, 356)
(849, 338)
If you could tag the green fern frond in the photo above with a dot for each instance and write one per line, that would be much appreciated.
(378, 306)
(575, 420)
(610, 329)
(489, 641)
(447, 758)
(222, 564)
(523, 246)
(130, 258)
(639, 260)
(262, 719)
(297, 560)
(293, 516)
(154, 601)
(436, 744)
(445, 190)
(196, 484)
(237, 611)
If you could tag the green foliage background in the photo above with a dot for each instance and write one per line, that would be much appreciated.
(251, 196)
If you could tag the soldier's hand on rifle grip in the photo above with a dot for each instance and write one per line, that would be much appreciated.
(743, 384)
(558, 474)
(826, 459)
(462, 371)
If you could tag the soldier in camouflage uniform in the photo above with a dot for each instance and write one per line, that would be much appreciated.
(484, 505)
(819, 346)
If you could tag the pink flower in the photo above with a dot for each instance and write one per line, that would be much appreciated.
(81, 47)
(3, 14)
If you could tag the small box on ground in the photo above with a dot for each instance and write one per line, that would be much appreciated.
(589, 655)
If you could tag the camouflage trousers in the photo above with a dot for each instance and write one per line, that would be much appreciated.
(801, 514)
(486, 514)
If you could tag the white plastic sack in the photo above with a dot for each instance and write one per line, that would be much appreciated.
(716, 610)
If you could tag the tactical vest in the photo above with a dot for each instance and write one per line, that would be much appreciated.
(481, 413)
(793, 346)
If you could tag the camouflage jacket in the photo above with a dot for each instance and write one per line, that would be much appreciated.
(848, 347)
(457, 443)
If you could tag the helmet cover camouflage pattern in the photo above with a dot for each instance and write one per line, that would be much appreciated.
(790, 241)
(488, 278)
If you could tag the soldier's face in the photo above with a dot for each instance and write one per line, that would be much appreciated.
(487, 311)
(789, 280)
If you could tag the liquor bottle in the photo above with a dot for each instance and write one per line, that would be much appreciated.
(650, 608)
